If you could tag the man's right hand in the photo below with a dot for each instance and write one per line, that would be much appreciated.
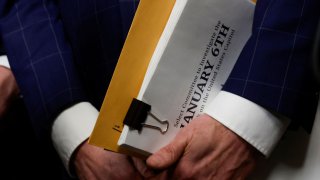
(93, 163)
(8, 89)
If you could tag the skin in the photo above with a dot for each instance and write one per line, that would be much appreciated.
(8, 89)
(223, 154)
(205, 149)
(90, 162)
(94, 163)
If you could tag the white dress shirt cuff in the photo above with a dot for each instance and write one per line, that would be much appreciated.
(4, 61)
(259, 127)
(72, 127)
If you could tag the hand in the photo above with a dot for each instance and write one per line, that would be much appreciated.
(205, 149)
(148, 173)
(8, 89)
(93, 163)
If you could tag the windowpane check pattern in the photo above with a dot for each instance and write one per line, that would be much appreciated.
(273, 68)
(63, 52)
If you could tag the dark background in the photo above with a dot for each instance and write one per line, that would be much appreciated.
(21, 155)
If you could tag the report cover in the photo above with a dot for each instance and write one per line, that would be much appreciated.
(192, 61)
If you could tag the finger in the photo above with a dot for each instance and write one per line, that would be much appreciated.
(169, 154)
(160, 176)
(142, 168)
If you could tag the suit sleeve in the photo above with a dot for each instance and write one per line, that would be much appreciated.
(273, 69)
(41, 59)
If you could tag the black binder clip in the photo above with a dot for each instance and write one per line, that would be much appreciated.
(137, 115)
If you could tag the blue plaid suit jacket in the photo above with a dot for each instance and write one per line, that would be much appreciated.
(61, 62)
(273, 69)
(57, 64)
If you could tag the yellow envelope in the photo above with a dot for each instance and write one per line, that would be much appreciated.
(146, 29)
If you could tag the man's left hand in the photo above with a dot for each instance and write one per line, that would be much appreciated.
(92, 162)
(205, 149)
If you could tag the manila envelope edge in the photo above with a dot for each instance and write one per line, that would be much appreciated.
(144, 34)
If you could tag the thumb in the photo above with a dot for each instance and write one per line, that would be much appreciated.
(169, 154)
